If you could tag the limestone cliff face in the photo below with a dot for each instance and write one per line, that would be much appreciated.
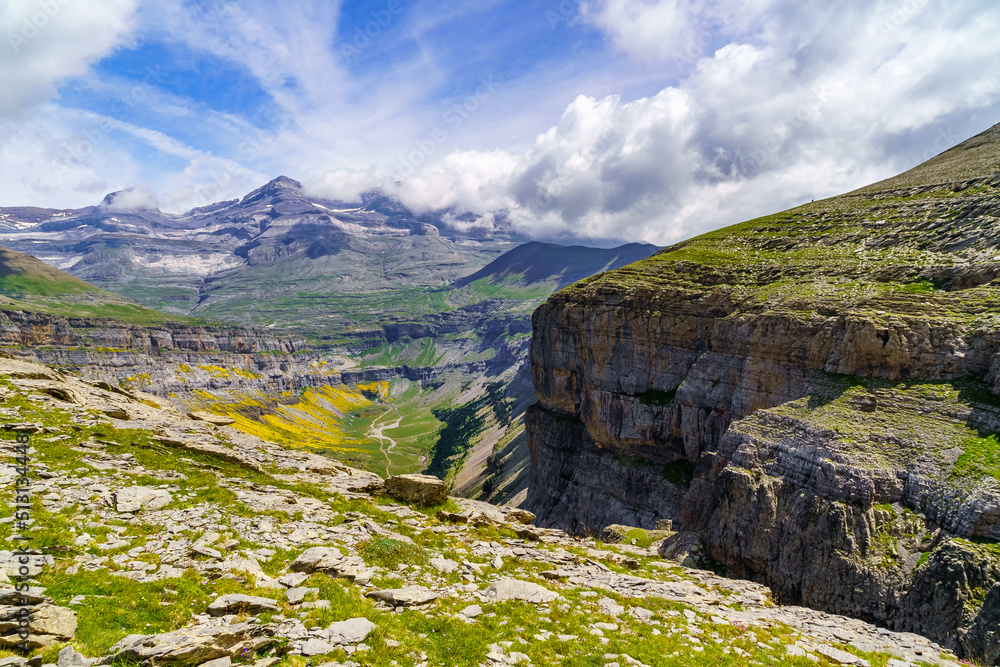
(180, 359)
(811, 394)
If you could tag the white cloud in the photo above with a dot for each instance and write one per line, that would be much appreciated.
(140, 196)
(804, 102)
(45, 42)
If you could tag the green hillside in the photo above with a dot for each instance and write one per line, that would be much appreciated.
(924, 241)
(27, 283)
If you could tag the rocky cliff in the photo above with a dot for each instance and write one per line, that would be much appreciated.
(811, 396)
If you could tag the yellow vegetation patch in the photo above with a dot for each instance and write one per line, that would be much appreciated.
(315, 420)
(220, 372)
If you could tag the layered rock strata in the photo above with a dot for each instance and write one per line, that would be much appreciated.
(812, 396)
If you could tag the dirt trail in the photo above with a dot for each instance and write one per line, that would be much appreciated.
(376, 431)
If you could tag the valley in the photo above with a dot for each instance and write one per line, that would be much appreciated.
(350, 295)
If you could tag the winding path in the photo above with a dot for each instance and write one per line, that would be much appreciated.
(376, 431)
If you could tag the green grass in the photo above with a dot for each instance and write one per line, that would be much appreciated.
(390, 553)
(980, 458)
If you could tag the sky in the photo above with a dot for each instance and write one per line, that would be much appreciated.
(574, 120)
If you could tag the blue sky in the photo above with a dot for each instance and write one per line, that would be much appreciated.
(575, 119)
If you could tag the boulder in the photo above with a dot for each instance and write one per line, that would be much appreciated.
(317, 559)
(215, 420)
(48, 625)
(515, 589)
(188, 647)
(224, 661)
(135, 498)
(332, 562)
(404, 597)
(421, 489)
(297, 595)
(293, 580)
(239, 604)
(68, 657)
(351, 631)
(614, 534)
(317, 647)
(520, 515)
(444, 565)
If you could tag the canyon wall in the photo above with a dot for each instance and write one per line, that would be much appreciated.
(812, 398)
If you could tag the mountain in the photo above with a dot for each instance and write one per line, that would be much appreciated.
(226, 261)
(812, 397)
(537, 262)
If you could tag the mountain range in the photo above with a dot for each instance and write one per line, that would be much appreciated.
(366, 285)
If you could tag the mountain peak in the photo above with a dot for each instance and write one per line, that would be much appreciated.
(284, 183)
(130, 199)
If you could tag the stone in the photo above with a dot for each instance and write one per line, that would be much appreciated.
(48, 625)
(443, 565)
(841, 657)
(472, 611)
(224, 661)
(237, 603)
(614, 534)
(317, 559)
(68, 657)
(293, 579)
(317, 647)
(515, 589)
(666, 525)
(610, 607)
(409, 596)
(216, 420)
(189, 647)
(297, 595)
(136, 498)
(520, 515)
(420, 489)
(351, 631)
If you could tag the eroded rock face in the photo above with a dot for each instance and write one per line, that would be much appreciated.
(190, 646)
(805, 397)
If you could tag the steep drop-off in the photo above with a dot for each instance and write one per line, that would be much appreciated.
(812, 395)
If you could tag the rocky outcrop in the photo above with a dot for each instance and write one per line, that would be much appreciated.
(808, 397)
(47, 623)
(423, 489)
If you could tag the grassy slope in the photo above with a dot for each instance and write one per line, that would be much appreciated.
(885, 248)
(27, 283)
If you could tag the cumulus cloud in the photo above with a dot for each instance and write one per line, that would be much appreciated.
(139, 197)
(801, 102)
